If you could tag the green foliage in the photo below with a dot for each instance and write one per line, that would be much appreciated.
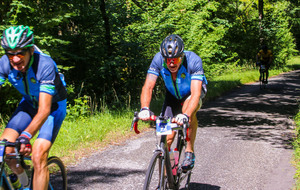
(296, 145)
(10, 98)
(109, 47)
(80, 110)
(277, 29)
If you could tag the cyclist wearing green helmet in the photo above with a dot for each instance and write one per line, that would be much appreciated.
(43, 105)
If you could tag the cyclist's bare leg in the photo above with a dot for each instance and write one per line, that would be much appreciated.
(192, 133)
(193, 126)
(170, 138)
(192, 129)
(11, 135)
(40, 151)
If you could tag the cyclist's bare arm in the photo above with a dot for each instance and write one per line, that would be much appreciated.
(45, 102)
(147, 89)
(196, 86)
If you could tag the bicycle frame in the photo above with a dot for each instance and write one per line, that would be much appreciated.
(162, 148)
(166, 156)
(4, 182)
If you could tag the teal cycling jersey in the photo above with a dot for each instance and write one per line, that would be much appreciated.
(190, 69)
(41, 76)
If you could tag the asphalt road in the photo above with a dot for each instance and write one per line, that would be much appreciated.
(243, 143)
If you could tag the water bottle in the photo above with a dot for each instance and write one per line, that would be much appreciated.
(15, 181)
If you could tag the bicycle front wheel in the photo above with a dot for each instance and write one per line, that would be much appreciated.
(155, 176)
(261, 79)
(57, 174)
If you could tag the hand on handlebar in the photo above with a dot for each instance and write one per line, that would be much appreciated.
(145, 114)
(180, 119)
(25, 146)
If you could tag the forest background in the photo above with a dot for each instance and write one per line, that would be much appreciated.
(104, 48)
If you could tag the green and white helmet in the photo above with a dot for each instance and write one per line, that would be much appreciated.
(16, 37)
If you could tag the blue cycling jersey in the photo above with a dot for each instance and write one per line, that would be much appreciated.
(41, 76)
(190, 69)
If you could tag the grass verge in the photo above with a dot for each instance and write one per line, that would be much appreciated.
(86, 135)
(296, 145)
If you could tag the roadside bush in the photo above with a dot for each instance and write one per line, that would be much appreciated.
(296, 145)
(9, 100)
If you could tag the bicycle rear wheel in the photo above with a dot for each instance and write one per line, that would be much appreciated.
(155, 176)
(262, 80)
(57, 174)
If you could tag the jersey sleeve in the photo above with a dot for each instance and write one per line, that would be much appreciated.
(197, 72)
(156, 65)
(46, 75)
(4, 69)
(2, 78)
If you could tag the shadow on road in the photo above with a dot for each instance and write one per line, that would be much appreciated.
(98, 176)
(254, 114)
(198, 186)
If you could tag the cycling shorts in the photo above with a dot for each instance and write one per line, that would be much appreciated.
(266, 63)
(173, 106)
(24, 114)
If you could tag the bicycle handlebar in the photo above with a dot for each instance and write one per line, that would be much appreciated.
(17, 154)
(134, 124)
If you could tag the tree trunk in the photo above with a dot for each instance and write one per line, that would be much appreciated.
(106, 26)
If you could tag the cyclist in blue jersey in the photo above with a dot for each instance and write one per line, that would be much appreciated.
(43, 105)
(185, 84)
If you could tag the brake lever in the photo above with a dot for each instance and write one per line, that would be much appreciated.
(185, 129)
(134, 124)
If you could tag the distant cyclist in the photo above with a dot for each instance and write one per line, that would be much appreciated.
(43, 106)
(184, 80)
(264, 57)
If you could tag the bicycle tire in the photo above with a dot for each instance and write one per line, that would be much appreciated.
(57, 174)
(262, 80)
(155, 178)
(265, 79)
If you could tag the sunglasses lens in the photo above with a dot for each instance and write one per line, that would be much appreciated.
(173, 60)
(20, 54)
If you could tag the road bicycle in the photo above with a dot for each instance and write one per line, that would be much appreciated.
(262, 76)
(160, 173)
(57, 178)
